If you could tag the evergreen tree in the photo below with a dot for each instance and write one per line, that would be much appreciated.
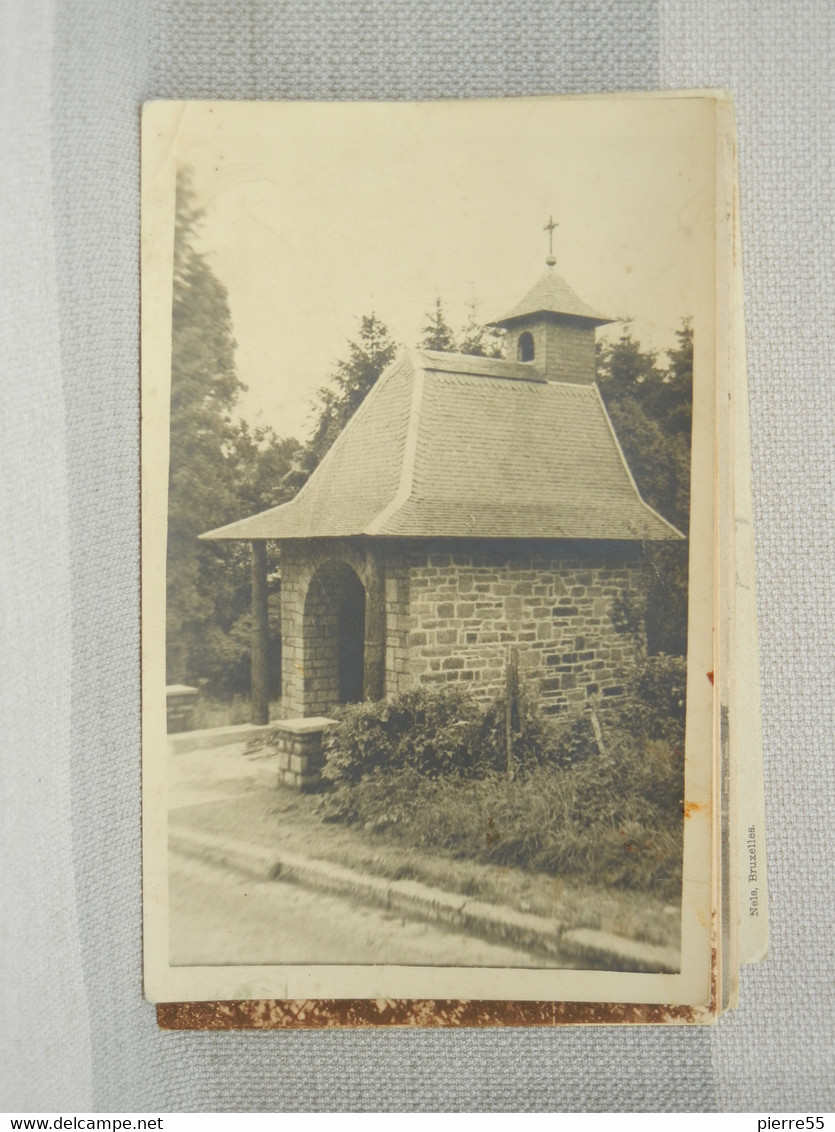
(349, 385)
(437, 333)
(204, 388)
(480, 340)
(651, 409)
(677, 409)
(219, 470)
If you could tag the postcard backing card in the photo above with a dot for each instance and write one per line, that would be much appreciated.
(480, 516)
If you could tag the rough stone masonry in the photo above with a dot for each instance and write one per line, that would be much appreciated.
(450, 619)
(466, 610)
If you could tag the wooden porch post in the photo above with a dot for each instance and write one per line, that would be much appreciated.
(260, 678)
(374, 680)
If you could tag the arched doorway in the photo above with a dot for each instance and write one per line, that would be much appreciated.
(334, 639)
(350, 640)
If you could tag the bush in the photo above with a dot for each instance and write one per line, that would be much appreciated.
(427, 731)
(574, 740)
(656, 700)
(537, 740)
(441, 732)
(210, 712)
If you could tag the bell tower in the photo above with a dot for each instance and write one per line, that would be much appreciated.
(552, 329)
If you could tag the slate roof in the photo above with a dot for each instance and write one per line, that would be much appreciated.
(453, 445)
(552, 295)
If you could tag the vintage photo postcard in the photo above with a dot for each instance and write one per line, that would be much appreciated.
(430, 560)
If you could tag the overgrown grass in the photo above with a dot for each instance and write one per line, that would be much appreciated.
(593, 821)
(430, 770)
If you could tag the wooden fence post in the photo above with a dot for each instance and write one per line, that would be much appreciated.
(511, 701)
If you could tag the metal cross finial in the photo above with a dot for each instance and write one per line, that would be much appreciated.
(549, 228)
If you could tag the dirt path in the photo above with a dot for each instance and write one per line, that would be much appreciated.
(219, 917)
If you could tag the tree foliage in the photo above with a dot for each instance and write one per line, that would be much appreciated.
(219, 470)
(350, 383)
(437, 333)
(651, 410)
(477, 338)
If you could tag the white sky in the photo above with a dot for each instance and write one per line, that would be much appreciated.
(318, 213)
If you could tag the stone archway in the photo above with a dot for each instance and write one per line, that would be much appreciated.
(333, 626)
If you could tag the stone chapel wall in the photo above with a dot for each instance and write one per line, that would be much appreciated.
(451, 617)
(466, 610)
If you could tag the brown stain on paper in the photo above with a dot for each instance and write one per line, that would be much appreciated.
(691, 808)
(317, 1014)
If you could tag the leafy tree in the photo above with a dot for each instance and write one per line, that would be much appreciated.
(262, 467)
(437, 333)
(651, 409)
(677, 408)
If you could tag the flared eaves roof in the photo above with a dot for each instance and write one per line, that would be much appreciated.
(551, 295)
(449, 445)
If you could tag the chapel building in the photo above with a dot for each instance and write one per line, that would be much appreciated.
(470, 506)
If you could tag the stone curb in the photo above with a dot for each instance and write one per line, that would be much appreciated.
(407, 897)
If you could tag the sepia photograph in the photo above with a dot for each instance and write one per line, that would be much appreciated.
(428, 549)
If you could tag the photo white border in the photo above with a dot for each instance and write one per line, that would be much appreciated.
(164, 983)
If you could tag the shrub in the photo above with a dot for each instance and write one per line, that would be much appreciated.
(430, 732)
(574, 740)
(537, 739)
(442, 732)
(656, 698)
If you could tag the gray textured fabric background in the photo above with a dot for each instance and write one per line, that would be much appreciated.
(78, 1035)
